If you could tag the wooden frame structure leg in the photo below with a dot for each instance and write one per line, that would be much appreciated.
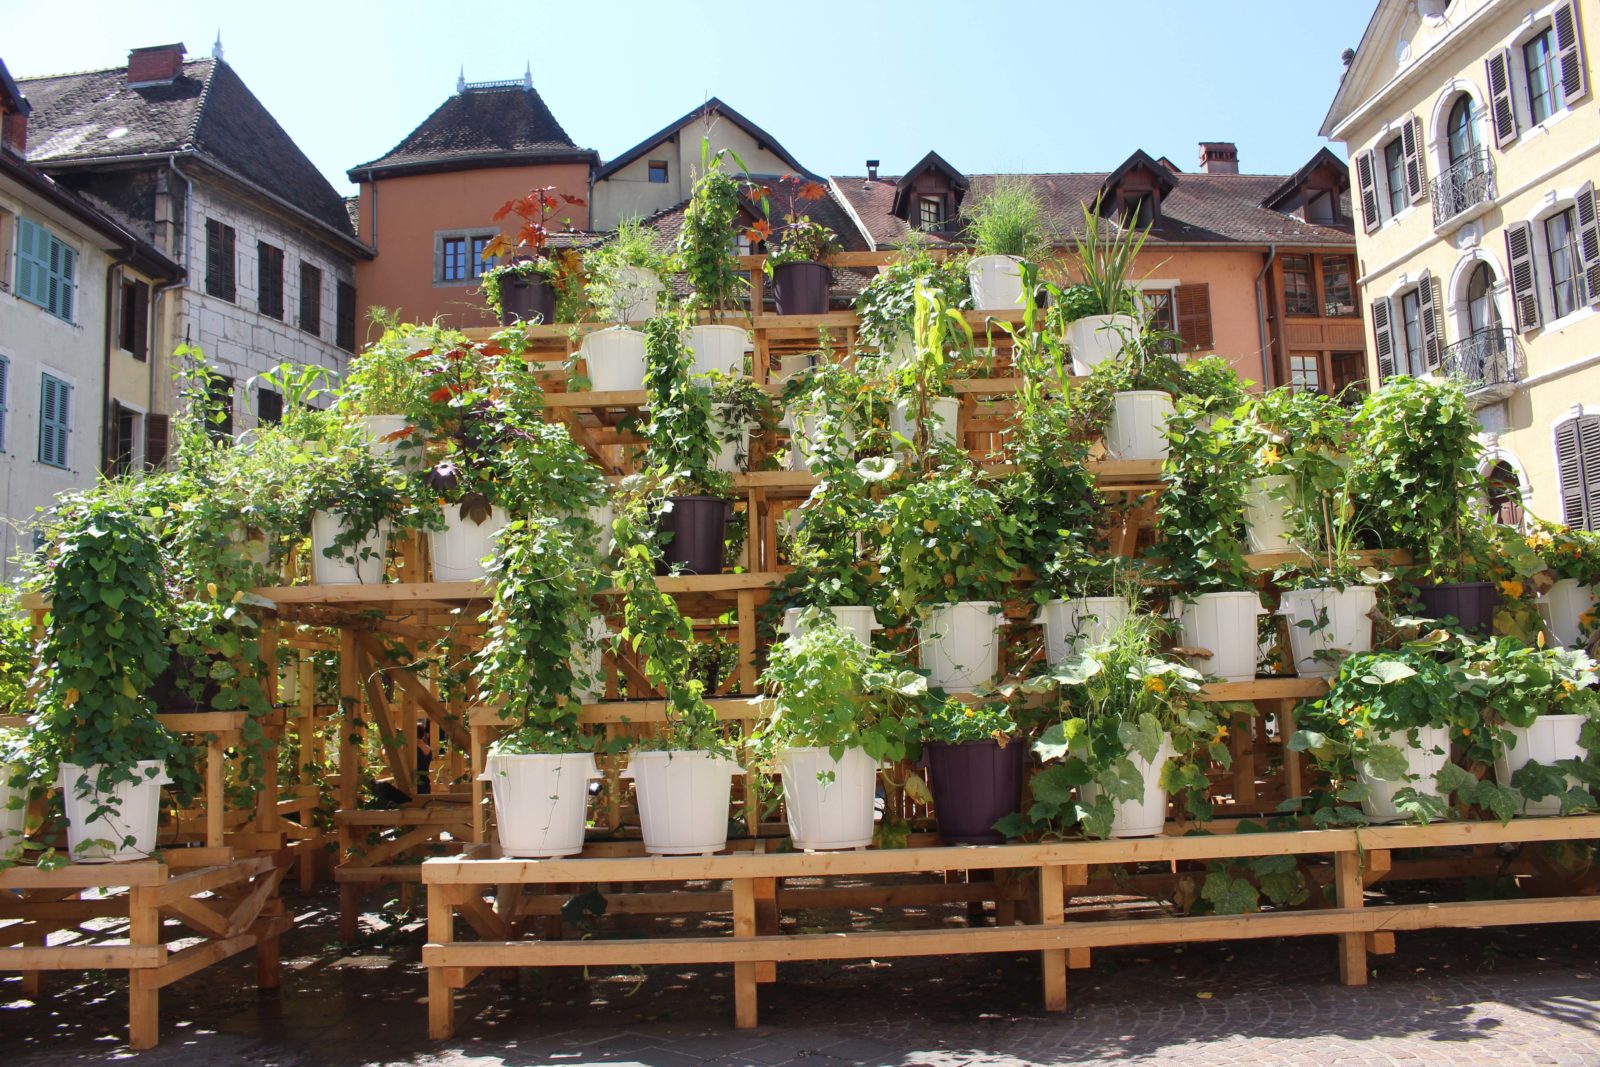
(441, 996)
(744, 974)
(1052, 912)
(1350, 894)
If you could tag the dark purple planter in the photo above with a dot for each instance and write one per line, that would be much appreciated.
(527, 297)
(693, 531)
(801, 288)
(975, 785)
(1473, 604)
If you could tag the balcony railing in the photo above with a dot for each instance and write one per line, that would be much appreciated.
(1468, 183)
(1486, 359)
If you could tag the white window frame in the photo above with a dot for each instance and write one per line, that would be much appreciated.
(1537, 23)
(1554, 203)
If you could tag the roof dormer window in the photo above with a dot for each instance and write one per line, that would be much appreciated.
(930, 212)
(1132, 193)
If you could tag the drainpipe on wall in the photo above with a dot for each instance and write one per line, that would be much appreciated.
(1261, 319)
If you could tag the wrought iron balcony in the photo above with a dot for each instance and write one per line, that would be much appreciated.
(1468, 183)
(1489, 362)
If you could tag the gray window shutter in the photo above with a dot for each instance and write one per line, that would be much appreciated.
(1502, 105)
(1589, 240)
(1383, 338)
(1569, 51)
(1367, 178)
(1411, 147)
(5, 388)
(1426, 305)
(1570, 474)
(1524, 275)
(1589, 461)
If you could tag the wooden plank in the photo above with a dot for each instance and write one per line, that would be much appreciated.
(744, 972)
(144, 994)
(198, 957)
(1350, 894)
(441, 932)
(81, 957)
(1052, 912)
(1264, 689)
(86, 876)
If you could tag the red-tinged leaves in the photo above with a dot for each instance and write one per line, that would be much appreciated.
(760, 230)
(811, 191)
(505, 209)
(445, 393)
(415, 356)
(575, 201)
(399, 435)
(493, 350)
(499, 246)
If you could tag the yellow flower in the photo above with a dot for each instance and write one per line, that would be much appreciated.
(1531, 541)
(1511, 589)
(1540, 639)
(1270, 455)
(970, 713)
(1222, 733)
(1360, 732)
(1466, 731)
(1586, 619)
(1155, 685)
(1343, 721)
(1568, 687)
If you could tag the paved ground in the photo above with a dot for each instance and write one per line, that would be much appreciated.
(1524, 995)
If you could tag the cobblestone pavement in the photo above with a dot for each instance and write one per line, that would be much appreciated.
(1527, 995)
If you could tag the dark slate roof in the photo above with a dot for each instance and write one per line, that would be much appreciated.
(140, 252)
(478, 127)
(712, 107)
(1201, 209)
(207, 110)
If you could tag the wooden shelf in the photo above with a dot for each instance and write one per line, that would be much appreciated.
(1264, 689)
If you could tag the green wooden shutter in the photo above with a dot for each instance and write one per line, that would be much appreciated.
(54, 410)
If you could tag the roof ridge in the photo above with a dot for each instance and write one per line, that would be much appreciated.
(97, 70)
(205, 98)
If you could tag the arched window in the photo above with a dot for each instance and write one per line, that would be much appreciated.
(1482, 315)
(1462, 129)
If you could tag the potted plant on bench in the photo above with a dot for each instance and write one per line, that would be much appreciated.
(975, 755)
(1099, 312)
(708, 251)
(799, 250)
(1008, 225)
(524, 287)
(624, 283)
(887, 306)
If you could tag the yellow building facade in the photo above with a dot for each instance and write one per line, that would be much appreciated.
(1473, 132)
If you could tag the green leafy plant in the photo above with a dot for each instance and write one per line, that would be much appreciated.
(380, 380)
(949, 539)
(1103, 264)
(679, 434)
(1200, 511)
(799, 238)
(1568, 552)
(708, 239)
(956, 722)
(635, 245)
(1008, 219)
(887, 306)
(741, 410)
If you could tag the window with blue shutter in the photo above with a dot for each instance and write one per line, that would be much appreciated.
(54, 405)
(47, 270)
(5, 398)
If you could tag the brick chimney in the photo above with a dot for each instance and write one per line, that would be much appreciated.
(1219, 157)
(156, 65)
(14, 131)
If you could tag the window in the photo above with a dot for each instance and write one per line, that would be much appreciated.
(1461, 130)
(1322, 208)
(930, 212)
(461, 256)
(1349, 376)
(269, 407)
(1394, 172)
(220, 393)
(453, 260)
(134, 332)
(1193, 304)
(219, 260)
(480, 263)
(1139, 210)
(1545, 96)
(1299, 288)
(1338, 285)
(658, 172)
(1578, 467)
(1482, 315)
(1411, 331)
(55, 402)
(47, 270)
(5, 398)
(124, 438)
(310, 299)
(270, 294)
(344, 312)
(1305, 374)
(1566, 286)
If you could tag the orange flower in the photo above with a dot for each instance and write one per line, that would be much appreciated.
(1512, 589)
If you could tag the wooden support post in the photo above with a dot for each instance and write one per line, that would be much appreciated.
(480, 745)
(767, 921)
(1241, 735)
(1052, 912)
(441, 931)
(1076, 876)
(747, 641)
(744, 974)
(216, 808)
(1350, 894)
(350, 734)
(144, 992)
(266, 817)
(1293, 780)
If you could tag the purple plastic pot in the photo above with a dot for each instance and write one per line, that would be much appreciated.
(528, 298)
(975, 785)
(693, 531)
(1473, 604)
(801, 288)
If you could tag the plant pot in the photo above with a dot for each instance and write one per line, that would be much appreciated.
(603, 516)
(136, 814)
(996, 282)
(1069, 624)
(589, 658)
(718, 348)
(791, 364)
(1265, 514)
(1549, 739)
(528, 297)
(902, 353)
(859, 620)
(636, 294)
(1138, 425)
(694, 529)
(615, 359)
(1472, 604)
(975, 784)
(362, 564)
(944, 415)
(1422, 763)
(961, 644)
(541, 801)
(801, 288)
(1147, 816)
(385, 441)
(728, 452)
(250, 543)
(1563, 606)
(1223, 624)
(1097, 338)
(1338, 624)
(683, 800)
(13, 819)
(802, 432)
(828, 814)
(458, 551)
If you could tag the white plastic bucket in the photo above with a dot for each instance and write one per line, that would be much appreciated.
(12, 819)
(1265, 518)
(615, 358)
(718, 348)
(859, 620)
(136, 814)
(1097, 338)
(1138, 425)
(589, 660)
(996, 282)
(405, 452)
(961, 644)
(1147, 816)
(1223, 624)
(1550, 738)
(1083, 620)
(458, 551)
(1339, 623)
(828, 814)
(683, 800)
(1422, 763)
(802, 432)
(541, 801)
(635, 295)
(728, 452)
(1563, 606)
(943, 415)
(362, 564)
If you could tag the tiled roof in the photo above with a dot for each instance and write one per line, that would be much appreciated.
(713, 109)
(207, 109)
(1201, 209)
(481, 127)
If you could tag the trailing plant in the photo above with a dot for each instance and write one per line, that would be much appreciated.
(16, 651)
(708, 240)
(1008, 219)
(886, 308)
(634, 245)
(740, 410)
(1200, 510)
(679, 434)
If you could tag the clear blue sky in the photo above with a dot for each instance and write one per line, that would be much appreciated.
(993, 85)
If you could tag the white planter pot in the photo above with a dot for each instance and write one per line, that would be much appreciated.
(1422, 763)
(615, 358)
(828, 814)
(1265, 518)
(12, 819)
(683, 800)
(1550, 738)
(728, 452)
(1138, 425)
(589, 659)
(788, 366)
(404, 452)
(1563, 605)
(541, 802)
(1338, 624)
(1084, 620)
(860, 621)
(718, 348)
(902, 353)
(136, 814)
(458, 551)
(1097, 338)
(603, 516)
(943, 415)
(253, 549)
(996, 282)
(961, 644)
(801, 433)
(362, 564)
(1223, 624)
(1147, 816)
(636, 294)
